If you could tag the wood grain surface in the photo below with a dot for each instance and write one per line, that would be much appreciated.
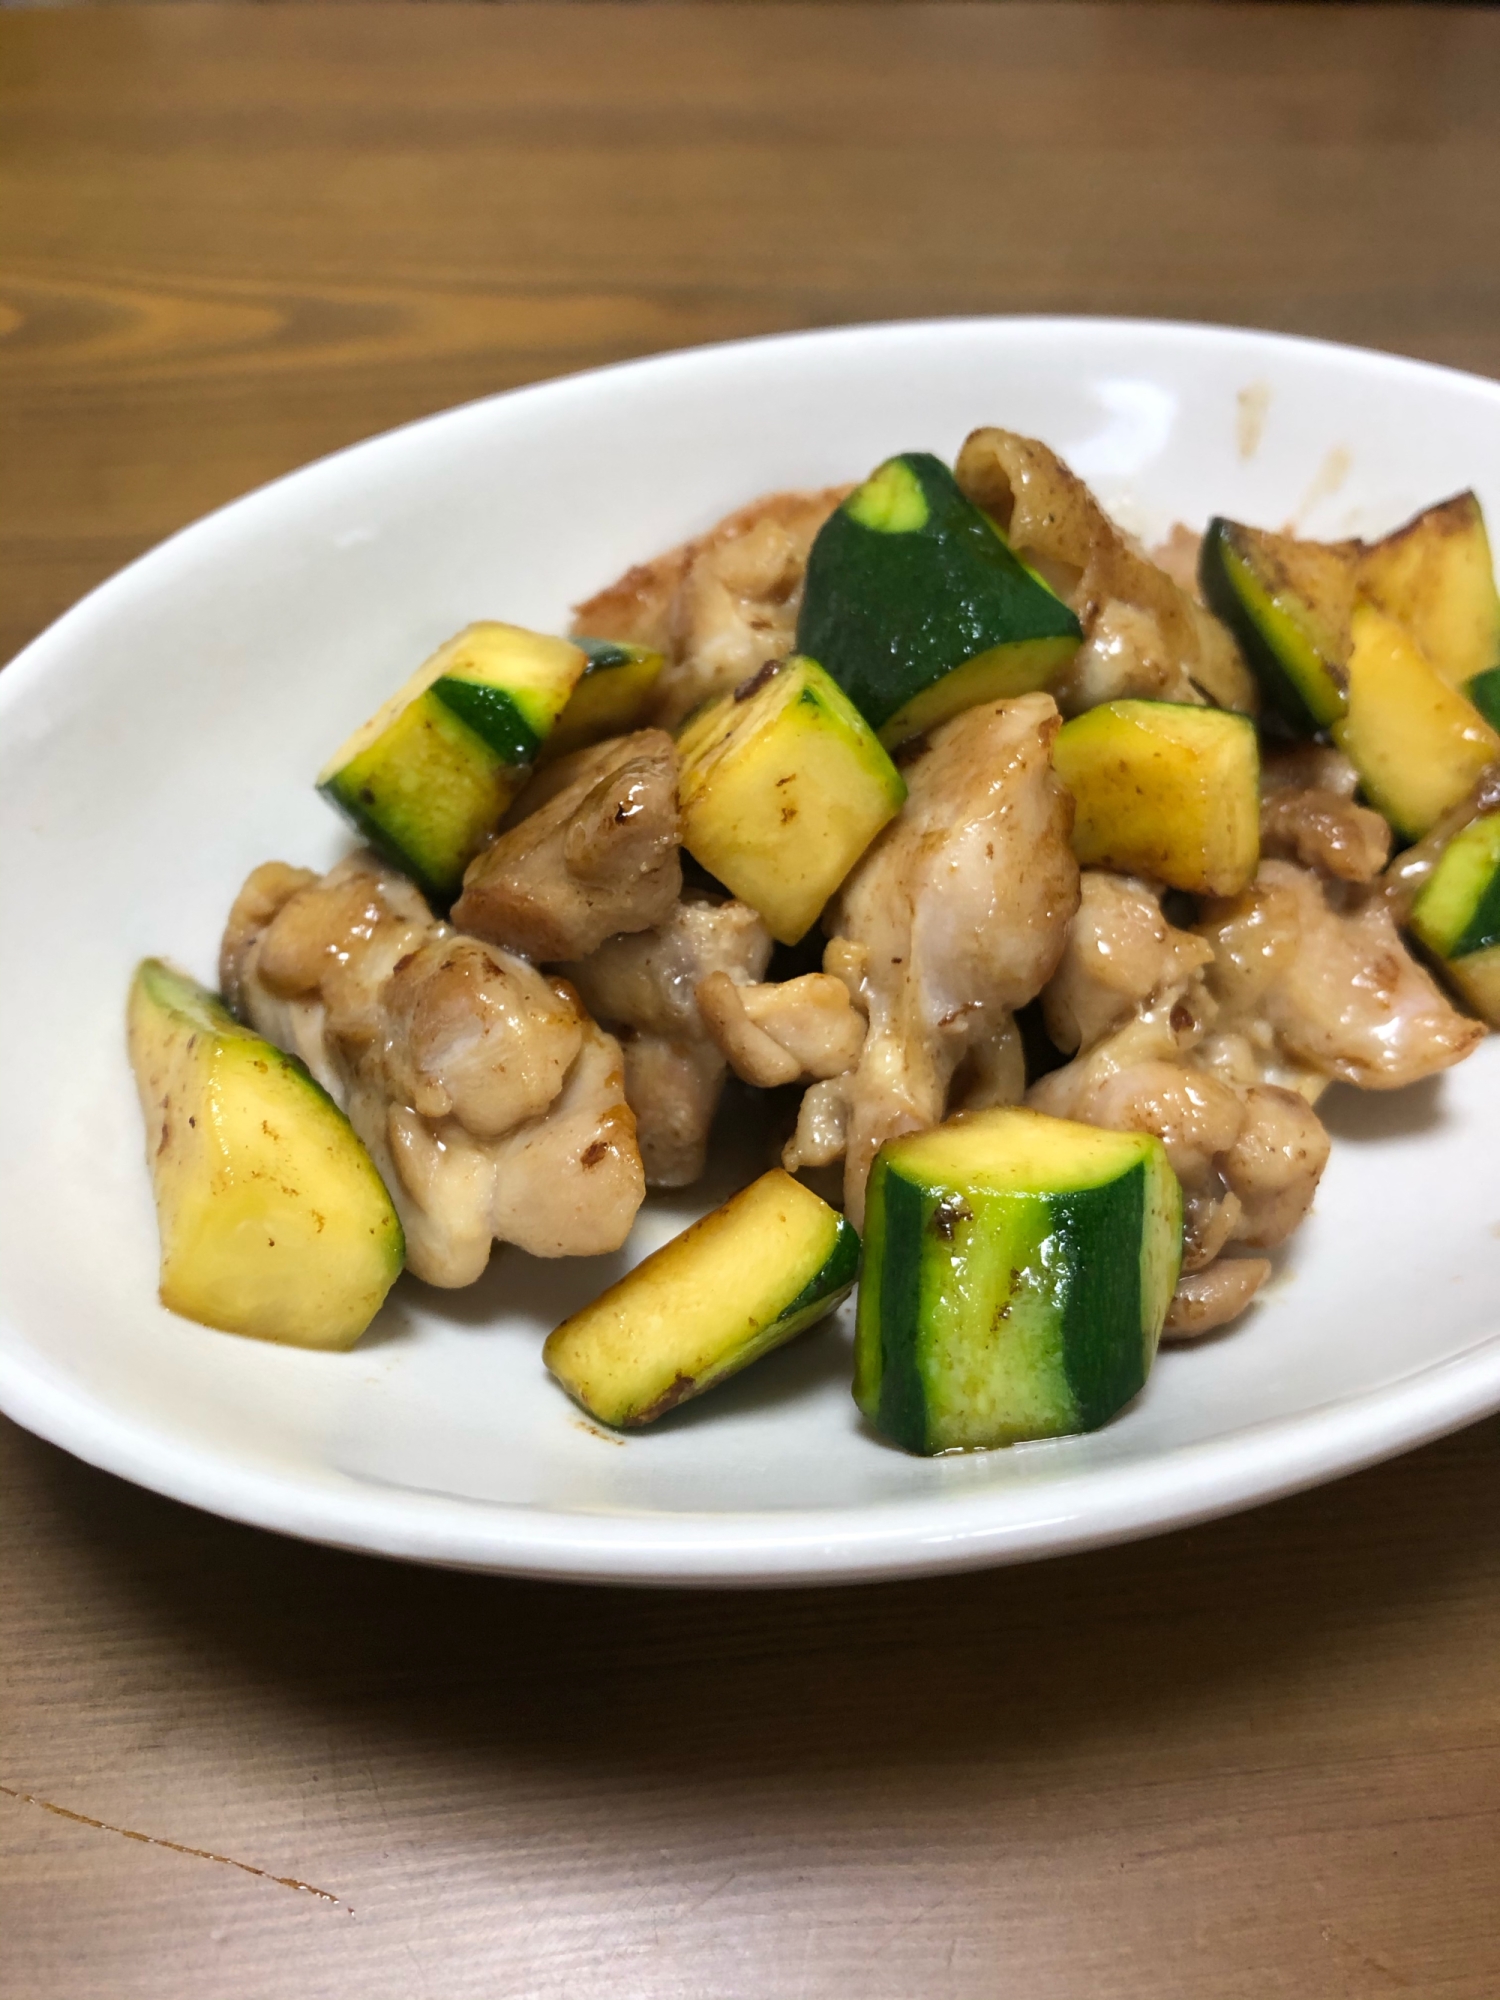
(1258, 1759)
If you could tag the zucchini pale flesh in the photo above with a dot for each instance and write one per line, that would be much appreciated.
(429, 776)
(1017, 1271)
(612, 699)
(1164, 789)
(773, 1260)
(916, 605)
(782, 786)
(1436, 577)
(273, 1219)
(1417, 743)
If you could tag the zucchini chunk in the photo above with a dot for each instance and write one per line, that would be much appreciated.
(1288, 603)
(918, 608)
(1484, 691)
(783, 785)
(1457, 914)
(1164, 789)
(773, 1260)
(1017, 1272)
(1436, 577)
(1417, 744)
(611, 699)
(430, 775)
(273, 1219)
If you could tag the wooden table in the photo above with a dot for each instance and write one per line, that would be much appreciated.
(1258, 1759)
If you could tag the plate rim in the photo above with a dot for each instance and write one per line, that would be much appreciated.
(929, 1534)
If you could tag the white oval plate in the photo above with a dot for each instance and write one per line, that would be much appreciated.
(159, 740)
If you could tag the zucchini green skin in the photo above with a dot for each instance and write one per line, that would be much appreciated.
(431, 774)
(1458, 910)
(1297, 676)
(824, 1290)
(429, 811)
(1484, 691)
(990, 1312)
(908, 582)
(613, 697)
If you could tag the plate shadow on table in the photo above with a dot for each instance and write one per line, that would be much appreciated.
(480, 1677)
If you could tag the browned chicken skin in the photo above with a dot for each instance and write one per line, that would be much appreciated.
(1308, 814)
(1144, 635)
(1248, 1153)
(718, 607)
(955, 916)
(490, 1102)
(1219, 1040)
(1331, 991)
(596, 853)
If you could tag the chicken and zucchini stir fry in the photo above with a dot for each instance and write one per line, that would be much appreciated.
(1047, 882)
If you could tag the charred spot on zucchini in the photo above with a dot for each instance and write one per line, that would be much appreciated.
(918, 607)
(1417, 743)
(611, 699)
(1017, 1272)
(1164, 789)
(1457, 914)
(1288, 603)
(273, 1220)
(1436, 577)
(432, 772)
(782, 786)
(772, 1261)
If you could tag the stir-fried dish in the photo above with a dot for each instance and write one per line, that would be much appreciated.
(1042, 884)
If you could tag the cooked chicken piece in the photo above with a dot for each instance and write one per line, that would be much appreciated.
(953, 918)
(795, 1028)
(598, 855)
(993, 1073)
(474, 1034)
(1131, 988)
(1178, 557)
(1143, 633)
(1211, 1298)
(1308, 814)
(1123, 657)
(1120, 951)
(462, 1068)
(822, 1126)
(1249, 1158)
(1337, 989)
(266, 890)
(328, 943)
(718, 607)
(1273, 1168)
(645, 987)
